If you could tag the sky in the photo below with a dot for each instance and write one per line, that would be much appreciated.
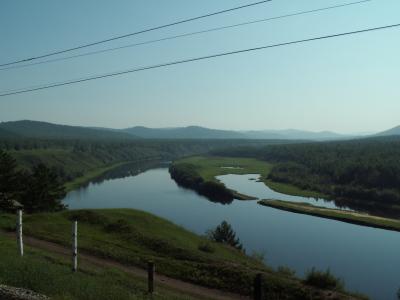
(346, 84)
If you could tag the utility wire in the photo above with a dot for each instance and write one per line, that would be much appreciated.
(52, 85)
(184, 35)
(136, 33)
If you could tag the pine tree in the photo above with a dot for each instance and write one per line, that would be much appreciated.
(9, 181)
(43, 191)
(224, 233)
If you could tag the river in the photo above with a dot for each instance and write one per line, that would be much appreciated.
(365, 258)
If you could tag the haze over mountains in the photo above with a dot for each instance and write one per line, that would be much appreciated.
(35, 129)
(392, 131)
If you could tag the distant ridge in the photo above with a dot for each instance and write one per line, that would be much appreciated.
(190, 132)
(197, 132)
(36, 129)
(291, 134)
(392, 131)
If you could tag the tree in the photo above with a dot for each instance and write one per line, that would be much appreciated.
(43, 190)
(224, 233)
(9, 180)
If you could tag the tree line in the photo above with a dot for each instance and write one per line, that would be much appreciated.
(362, 174)
(37, 190)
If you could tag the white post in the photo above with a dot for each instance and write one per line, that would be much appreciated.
(19, 233)
(75, 246)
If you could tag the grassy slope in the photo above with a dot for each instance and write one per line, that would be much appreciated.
(51, 275)
(134, 237)
(210, 166)
(335, 214)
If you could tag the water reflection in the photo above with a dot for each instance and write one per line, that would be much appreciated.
(251, 185)
(365, 258)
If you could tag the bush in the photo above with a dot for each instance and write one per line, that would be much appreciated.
(206, 247)
(286, 271)
(324, 280)
(120, 226)
(87, 216)
(259, 256)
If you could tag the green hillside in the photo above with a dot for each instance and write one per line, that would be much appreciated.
(134, 237)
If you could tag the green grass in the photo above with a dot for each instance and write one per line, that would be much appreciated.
(334, 214)
(89, 175)
(208, 167)
(134, 237)
(51, 275)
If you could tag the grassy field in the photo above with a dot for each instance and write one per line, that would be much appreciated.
(133, 238)
(334, 214)
(51, 275)
(209, 167)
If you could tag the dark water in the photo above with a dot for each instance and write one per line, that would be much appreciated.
(366, 258)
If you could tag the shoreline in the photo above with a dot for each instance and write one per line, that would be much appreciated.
(92, 174)
(334, 214)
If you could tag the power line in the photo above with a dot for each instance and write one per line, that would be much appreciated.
(186, 35)
(136, 33)
(48, 86)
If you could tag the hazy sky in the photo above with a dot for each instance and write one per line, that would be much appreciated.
(347, 84)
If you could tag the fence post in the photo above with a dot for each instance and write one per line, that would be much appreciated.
(150, 276)
(258, 292)
(75, 246)
(19, 233)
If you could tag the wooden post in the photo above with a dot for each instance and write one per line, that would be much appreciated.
(258, 292)
(19, 233)
(150, 276)
(75, 246)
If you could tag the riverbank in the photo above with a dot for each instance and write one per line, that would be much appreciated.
(90, 175)
(124, 236)
(209, 167)
(334, 214)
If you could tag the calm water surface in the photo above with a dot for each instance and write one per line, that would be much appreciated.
(366, 258)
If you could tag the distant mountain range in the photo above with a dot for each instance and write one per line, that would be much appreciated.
(35, 129)
(291, 134)
(206, 133)
(190, 132)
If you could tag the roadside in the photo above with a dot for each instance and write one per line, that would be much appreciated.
(178, 285)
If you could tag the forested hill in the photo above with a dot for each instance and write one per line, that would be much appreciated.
(363, 174)
(72, 158)
(6, 134)
(43, 130)
(392, 131)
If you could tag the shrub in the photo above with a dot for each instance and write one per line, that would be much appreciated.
(206, 247)
(324, 280)
(286, 271)
(259, 256)
(120, 226)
